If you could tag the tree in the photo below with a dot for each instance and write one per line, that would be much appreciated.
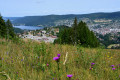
(79, 33)
(3, 29)
(10, 29)
(75, 25)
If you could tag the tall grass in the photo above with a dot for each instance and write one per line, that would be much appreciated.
(28, 61)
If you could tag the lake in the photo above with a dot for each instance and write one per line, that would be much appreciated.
(29, 27)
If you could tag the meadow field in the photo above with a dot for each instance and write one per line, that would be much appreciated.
(30, 60)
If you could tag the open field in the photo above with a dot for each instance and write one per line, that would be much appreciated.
(31, 60)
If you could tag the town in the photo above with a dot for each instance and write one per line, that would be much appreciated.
(98, 26)
(46, 35)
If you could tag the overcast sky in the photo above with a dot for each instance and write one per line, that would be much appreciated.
(18, 8)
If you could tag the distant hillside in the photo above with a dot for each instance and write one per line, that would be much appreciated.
(52, 20)
(11, 18)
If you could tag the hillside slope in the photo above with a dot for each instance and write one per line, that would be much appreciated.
(50, 20)
(34, 61)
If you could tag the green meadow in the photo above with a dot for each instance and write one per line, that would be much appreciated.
(31, 60)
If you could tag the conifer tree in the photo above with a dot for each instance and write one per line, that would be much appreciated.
(79, 33)
(74, 36)
(3, 29)
(10, 30)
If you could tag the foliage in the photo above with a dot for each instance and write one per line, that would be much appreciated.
(78, 34)
(18, 30)
(6, 29)
(109, 39)
(3, 28)
(10, 29)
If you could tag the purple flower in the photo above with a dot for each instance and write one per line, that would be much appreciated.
(58, 55)
(22, 60)
(92, 63)
(113, 68)
(70, 75)
(56, 58)
(112, 65)
(47, 64)
(90, 68)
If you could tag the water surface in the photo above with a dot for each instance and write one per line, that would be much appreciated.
(28, 27)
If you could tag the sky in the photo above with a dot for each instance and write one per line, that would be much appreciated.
(20, 8)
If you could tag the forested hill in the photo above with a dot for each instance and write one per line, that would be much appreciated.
(11, 18)
(52, 20)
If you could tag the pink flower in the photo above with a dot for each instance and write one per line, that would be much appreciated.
(113, 68)
(47, 64)
(92, 63)
(112, 65)
(58, 55)
(70, 75)
(56, 58)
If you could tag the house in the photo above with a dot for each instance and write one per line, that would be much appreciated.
(43, 31)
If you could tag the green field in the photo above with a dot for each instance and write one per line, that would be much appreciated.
(30, 60)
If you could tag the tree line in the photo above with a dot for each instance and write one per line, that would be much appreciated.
(6, 29)
(79, 33)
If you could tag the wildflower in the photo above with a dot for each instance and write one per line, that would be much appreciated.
(92, 63)
(56, 58)
(22, 60)
(90, 68)
(58, 55)
(47, 64)
(113, 68)
(112, 65)
(69, 76)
